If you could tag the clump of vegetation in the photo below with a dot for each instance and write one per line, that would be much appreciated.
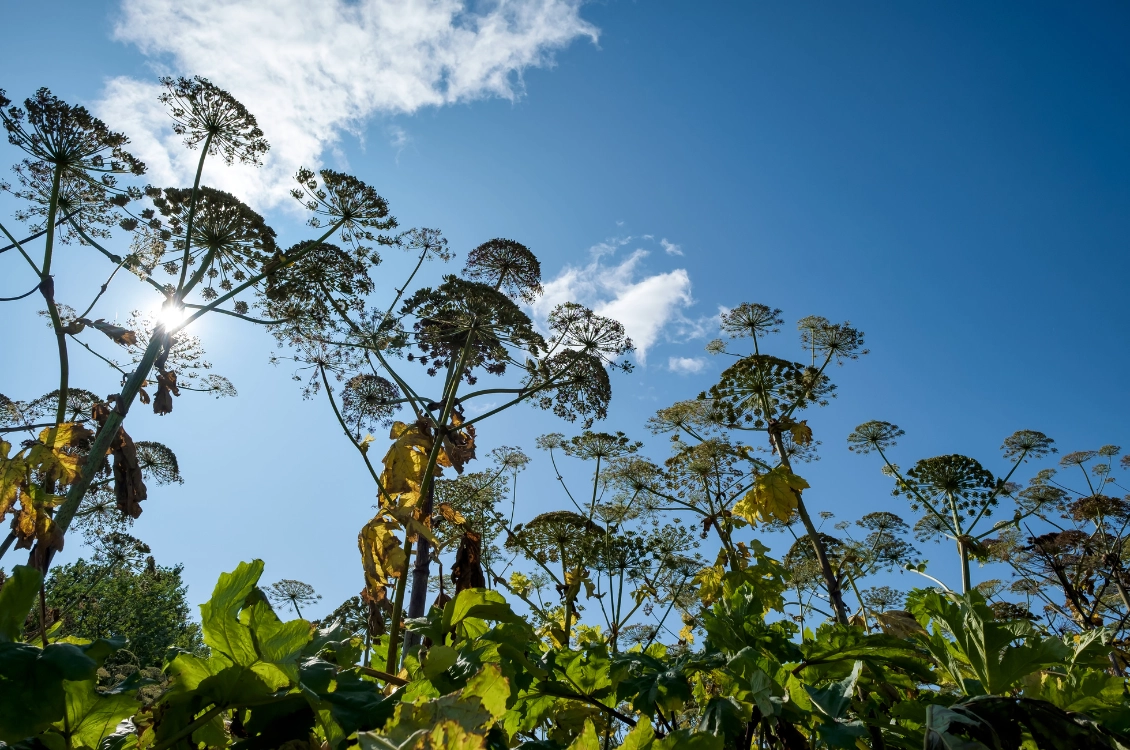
(646, 611)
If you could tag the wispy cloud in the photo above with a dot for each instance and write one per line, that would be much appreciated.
(311, 71)
(670, 247)
(647, 305)
(686, 365)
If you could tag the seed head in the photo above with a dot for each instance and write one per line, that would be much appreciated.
(204, 113)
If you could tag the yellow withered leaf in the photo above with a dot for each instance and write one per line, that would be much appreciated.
(13, 473)
(801, 432)
(687, 634)
(49, 457)
(33, 521)
(449, 514)
(406, 460)
(709, 582)
(382, 554)
(64, 435)
(774, 495)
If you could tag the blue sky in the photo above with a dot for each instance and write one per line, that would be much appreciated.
(951, 178)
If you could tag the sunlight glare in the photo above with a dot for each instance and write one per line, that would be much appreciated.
(171, 315)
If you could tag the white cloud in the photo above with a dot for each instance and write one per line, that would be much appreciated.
(670, 247)
(646, 306)
(686, 365)
(312, 70)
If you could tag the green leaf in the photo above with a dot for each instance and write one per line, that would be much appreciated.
(223, 630)
(483, 604)
(641, 737)
(725, 718)
(17, 597)
(278, 641)
(440, 658)
(92, 716)
(32, 694)
(587, 739)
(832, 700)
(762, 689)
(687, 739)
(968, 643)
(491, 688)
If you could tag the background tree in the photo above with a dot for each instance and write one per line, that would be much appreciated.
(122, 591)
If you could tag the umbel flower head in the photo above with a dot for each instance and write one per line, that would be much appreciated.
(578, 328)
(88, 204)
(1027, 443)
(229, 237)
(49, 129)
(341, 198)
(571, 384)
(205, 113)
(302, 286)
(600, 445)
(751, 319)
(959, 481)
(754, 389)
(367, 402)
(507, 266)
(873, 436)
(460, 313)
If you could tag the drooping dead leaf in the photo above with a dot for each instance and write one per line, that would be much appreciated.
(123, 336)
(467, 572)
(449, 514)
(129, 483)
(459, 444)
(377, 605)
(166, 389)
(381, 555)
(33, 525)
(899, 623)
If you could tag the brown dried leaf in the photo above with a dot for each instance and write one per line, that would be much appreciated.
(166, 389)
(899, 623)
(123, 336)
(467, 572)
(449, 514)
(129, 483)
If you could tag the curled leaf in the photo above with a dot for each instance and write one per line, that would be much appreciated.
(118, 334)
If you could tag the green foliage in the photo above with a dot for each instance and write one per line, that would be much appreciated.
(102, 598)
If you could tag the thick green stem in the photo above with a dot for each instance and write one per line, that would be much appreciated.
(393, 658)
(191, 217)
(835, 593)
(47, 288)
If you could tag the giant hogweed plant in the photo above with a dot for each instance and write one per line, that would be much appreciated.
(466, 327)
(210, 248)
(947, 672)
(731, 485)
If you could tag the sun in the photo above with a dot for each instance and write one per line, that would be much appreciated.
(171, 315)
